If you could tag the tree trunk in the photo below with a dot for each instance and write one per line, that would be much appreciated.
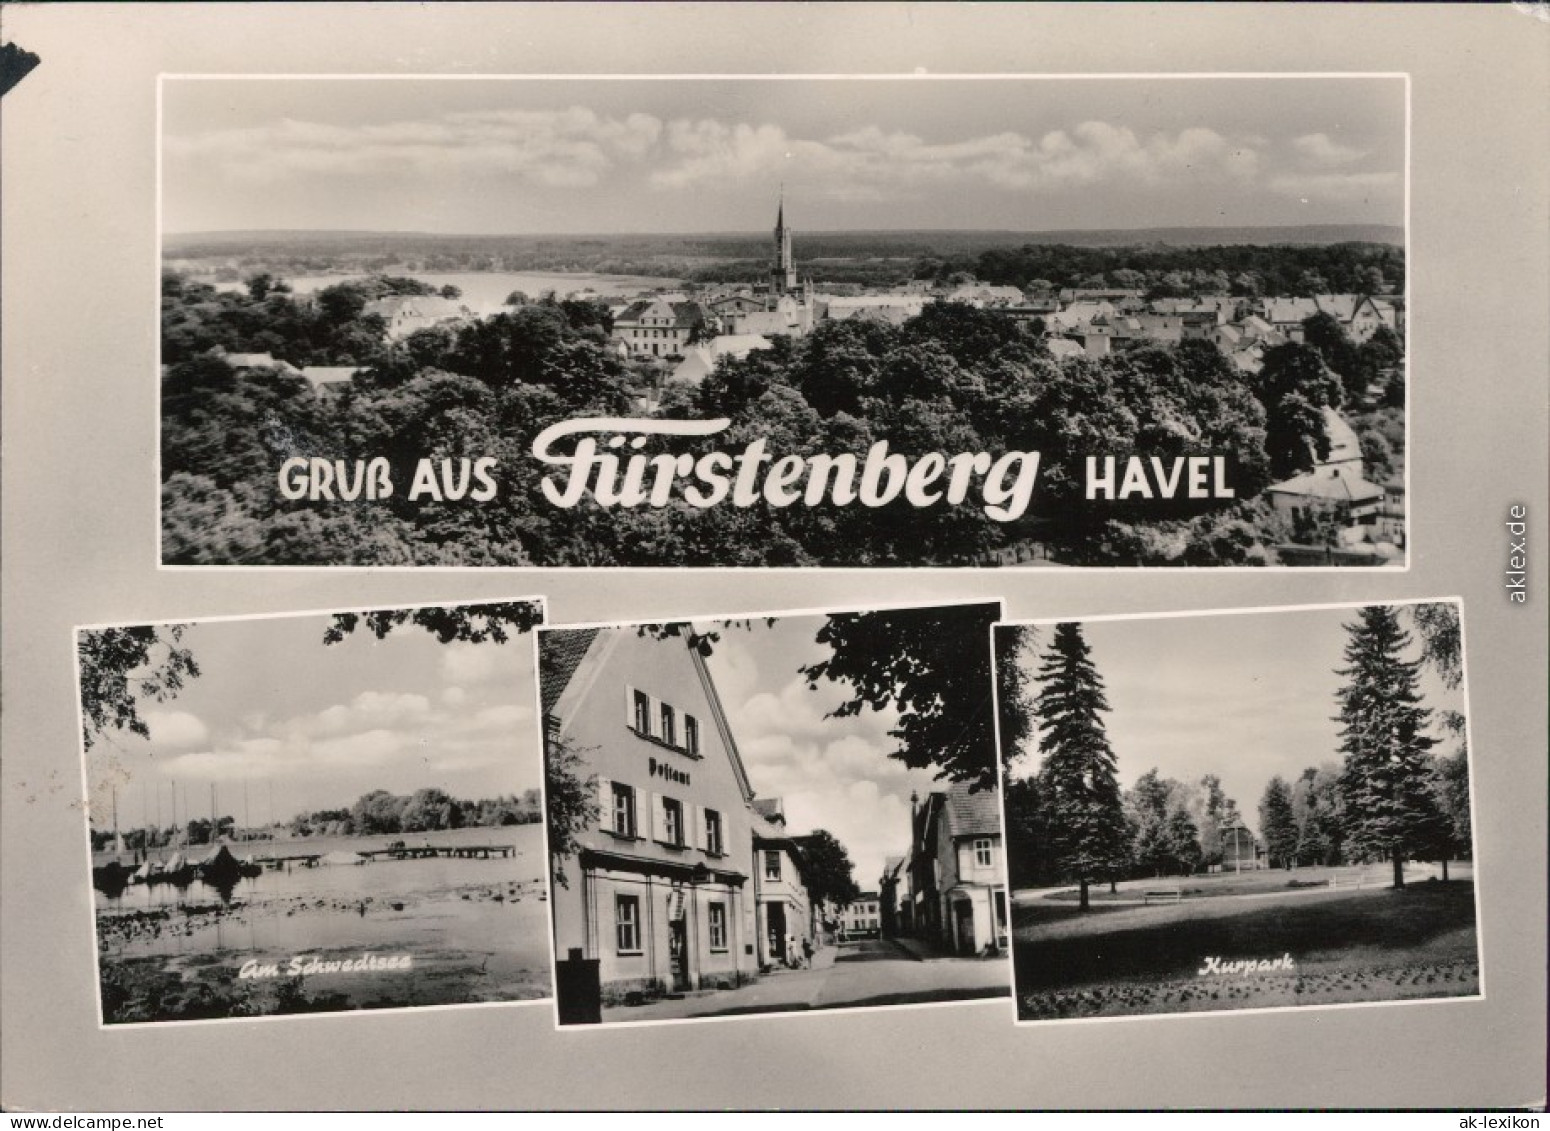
(1444, 869)
(1113, 887)
(1399, 869)
(1084, 905)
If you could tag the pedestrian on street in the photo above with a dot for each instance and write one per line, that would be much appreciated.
(807, 951)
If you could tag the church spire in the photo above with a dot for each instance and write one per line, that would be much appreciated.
(783, 274)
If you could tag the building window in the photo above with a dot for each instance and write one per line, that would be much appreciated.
(624, 809)
(772, 866)
(716, 917)
(982, 852)
(669, 733)
(642, 712)
(672, 821)
(692, 735)
(627, 923)
(713, 843)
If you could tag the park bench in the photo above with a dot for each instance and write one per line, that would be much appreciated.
(1172, 895)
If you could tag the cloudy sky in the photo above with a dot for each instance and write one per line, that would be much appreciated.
(569, 156)
(833, 774)
(1244, 697)
(277, 714)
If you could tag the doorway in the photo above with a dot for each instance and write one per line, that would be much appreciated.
(775, 923)
(963, 912)
(678, 953)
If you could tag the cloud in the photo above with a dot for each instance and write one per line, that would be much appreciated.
(176, 729)
(869, 162)
(571, 147)
(503, 717)
(468, 665)
(1322, 151)
(832, 773)
(369, 709)
(369, 748)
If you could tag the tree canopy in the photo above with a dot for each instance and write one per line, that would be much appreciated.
(827, 870)
(121, 668)
(933, 666)
(955, 379)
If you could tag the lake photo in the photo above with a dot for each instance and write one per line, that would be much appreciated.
(316, 813)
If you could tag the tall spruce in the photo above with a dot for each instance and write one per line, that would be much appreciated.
(1085, 819)
(1390, 808)
(1277, 824)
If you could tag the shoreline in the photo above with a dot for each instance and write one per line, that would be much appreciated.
(400, 957)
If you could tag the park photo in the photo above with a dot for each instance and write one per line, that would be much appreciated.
(314, 813)
(1244, 810)
(773, 814)
(901, 321)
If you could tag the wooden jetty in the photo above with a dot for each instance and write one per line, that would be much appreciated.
(456, 851)
(395, 852)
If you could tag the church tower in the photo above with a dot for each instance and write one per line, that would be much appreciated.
(783, 275)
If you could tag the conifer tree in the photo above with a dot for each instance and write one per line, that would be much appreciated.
(1390, 808)
(1183, 842)
(1277, 824)
(1085, 819)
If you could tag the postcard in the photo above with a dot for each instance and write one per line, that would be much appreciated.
(314, 813)
(1257, 810)
(581, 322)
(772, 814)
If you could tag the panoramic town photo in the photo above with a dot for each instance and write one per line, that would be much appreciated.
(1238, 811)
(773, 814)
(894, 322)
(315, 813)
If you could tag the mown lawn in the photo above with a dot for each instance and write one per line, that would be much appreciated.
(1346, 944)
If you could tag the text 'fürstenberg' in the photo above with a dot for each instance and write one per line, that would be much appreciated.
(618, 473)
(614, 477)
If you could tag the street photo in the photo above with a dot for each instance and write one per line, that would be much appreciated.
(874, 322)
(773, 813)
(1258, 809)
(314, 813)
